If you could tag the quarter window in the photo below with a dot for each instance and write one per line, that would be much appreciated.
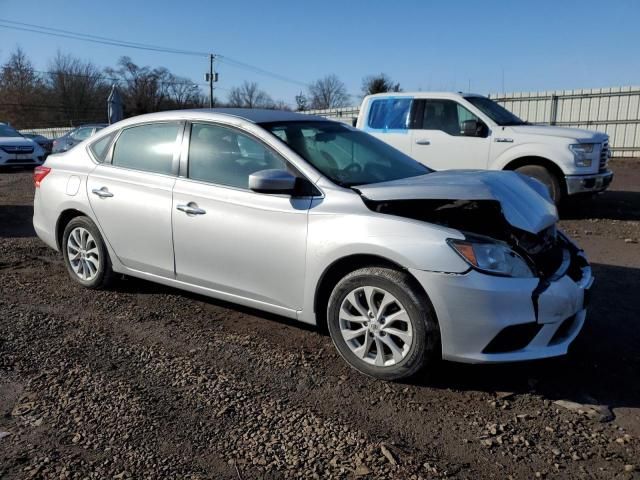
(445, 115)
(390, 113)
(225, 156)
(150, 148)
(100, 148)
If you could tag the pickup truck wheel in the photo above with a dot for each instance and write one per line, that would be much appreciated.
(382, 324)
(543, 175)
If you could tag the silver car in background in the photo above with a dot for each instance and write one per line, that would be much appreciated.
(317, 221)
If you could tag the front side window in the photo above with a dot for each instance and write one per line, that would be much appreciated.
(389, 113)
(225, 156)
(150, 148)
(445, 115)
(345, 155)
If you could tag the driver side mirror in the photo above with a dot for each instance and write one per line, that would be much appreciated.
(474, 128)
(272, 181)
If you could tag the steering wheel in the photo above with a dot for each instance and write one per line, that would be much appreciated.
(353, 167)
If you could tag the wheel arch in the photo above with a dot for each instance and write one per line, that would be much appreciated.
(341, 267)
(541, 161)
(63, 220)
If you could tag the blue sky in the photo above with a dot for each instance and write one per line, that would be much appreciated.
(428, 45)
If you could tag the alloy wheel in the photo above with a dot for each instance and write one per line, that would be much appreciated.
(83, 253)
(375, 326)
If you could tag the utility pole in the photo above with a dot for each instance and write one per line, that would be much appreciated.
(211, 77)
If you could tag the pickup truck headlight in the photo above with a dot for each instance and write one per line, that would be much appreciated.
(582, 153)
(495, 258)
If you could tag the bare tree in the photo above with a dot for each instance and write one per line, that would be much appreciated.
(249, 95)
(381, 83)
(22, 92)
(144, 89)
(183, 93)
(328, 92)
(301, 102)
(78, 88)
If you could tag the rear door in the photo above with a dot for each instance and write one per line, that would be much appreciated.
(131, 195)
(229, 238)
(438, 140)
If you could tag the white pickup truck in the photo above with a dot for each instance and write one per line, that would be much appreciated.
(467, 131)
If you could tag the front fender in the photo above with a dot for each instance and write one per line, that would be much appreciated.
(409, 243)
(554, 154)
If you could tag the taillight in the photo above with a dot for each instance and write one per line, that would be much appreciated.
(38, 175)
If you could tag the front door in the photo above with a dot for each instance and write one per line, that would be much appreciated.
(438, 139)
(229, 238)
(131, 196)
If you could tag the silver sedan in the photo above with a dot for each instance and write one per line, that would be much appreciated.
(314, 220)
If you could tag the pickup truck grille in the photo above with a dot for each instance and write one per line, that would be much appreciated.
(604, 156)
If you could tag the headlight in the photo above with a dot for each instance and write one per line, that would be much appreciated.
(493, 258)
(582, 153)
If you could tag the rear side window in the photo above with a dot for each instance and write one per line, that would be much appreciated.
(150, 148)
(225, 156)
(100, 148)
(389, 113)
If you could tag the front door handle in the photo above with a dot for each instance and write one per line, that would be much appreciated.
(102, 192)
(191, 208)
(423, 141)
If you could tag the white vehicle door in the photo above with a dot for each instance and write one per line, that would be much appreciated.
(229, 238)
(445, 138)
(387, 118)
(131, 196)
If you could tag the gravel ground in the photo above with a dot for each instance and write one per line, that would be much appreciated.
(145, 381)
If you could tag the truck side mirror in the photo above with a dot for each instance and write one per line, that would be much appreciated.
(474, 128)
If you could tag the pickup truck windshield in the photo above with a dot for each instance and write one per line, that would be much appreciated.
(345, 155)
(495, 112)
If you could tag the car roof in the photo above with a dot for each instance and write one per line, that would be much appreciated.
(262, 115)
(253, 115)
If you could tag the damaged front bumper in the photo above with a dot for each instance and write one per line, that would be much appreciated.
(490, 319)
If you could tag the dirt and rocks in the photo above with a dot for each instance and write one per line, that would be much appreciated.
(144, 381)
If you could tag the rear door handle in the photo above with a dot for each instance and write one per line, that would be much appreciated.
(423, 141)
(191, 209)
(102, 192)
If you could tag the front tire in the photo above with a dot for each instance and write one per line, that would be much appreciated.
(546, 177)
(383, 324)
(85, 254)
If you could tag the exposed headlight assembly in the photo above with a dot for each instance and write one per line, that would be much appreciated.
(494, 258)
(582, 153)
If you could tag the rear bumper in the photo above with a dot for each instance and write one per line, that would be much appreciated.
(489, 319)
(588, 183)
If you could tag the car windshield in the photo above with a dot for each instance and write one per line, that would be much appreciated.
(7, 131)
(345, 155)
(495, 112)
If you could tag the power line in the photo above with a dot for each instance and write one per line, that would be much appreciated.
(56, 32)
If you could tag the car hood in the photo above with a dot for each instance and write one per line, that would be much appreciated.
(525, 203)
(551, 131)
(16, 141)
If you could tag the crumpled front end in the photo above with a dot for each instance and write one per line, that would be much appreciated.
(485, 318)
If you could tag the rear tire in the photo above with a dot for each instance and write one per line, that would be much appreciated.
(85, 254)
(383, 324)
(542, 174)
